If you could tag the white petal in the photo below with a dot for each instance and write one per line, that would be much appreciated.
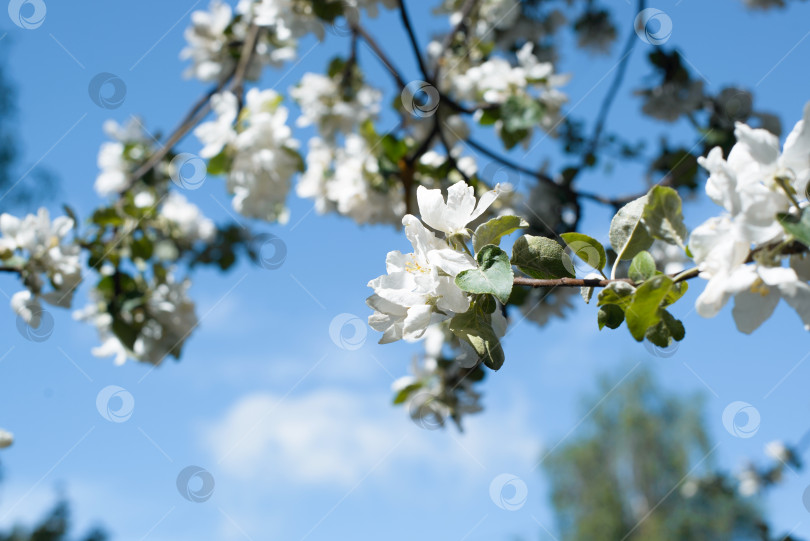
(752, 308)
(799, 300)
(416, 322)
(451, 261)
(431, 208)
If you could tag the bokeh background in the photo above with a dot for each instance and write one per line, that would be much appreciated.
(298, 432)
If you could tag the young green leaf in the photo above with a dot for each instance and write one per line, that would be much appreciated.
(663, 218)
(628, 234)
(610, 316)
(541, 258)
(492, 231)
(475, 328)
(798, 226)
(618, 293)
(587, 249)
(644, 311)
(642, 267)
(493, 275)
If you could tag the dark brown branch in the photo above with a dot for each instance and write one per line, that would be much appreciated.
(203, 106)
(406, 21)
(372, 43)
(604, 109)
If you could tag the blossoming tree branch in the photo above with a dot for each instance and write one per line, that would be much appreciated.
(493, 69)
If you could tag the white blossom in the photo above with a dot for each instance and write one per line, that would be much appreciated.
(324, 103)
(348, 181)
(46, 255)
(749, 186)
(116, 159)
(170, 319)
(262, 151)
(215, 39)
(419, 289)
(452, 217)
(187, 218)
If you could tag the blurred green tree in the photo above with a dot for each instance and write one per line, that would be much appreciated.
(643, 471)
(54, 527)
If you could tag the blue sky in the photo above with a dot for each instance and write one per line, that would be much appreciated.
(297, 433)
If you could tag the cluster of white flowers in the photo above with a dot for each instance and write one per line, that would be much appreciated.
(131, 145)
(263, 155)
(495, 80)
(419, 289)
(169, 319)
(216, 37)
(38, 247)
(348, 180)
(440, 389)
(331, 108)
(752, 185)
(187, 219)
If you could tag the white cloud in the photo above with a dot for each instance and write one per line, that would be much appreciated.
(337, 437)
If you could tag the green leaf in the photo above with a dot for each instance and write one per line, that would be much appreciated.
(610, 316)
(587, 249)
(489, 117)
(540, 257)
(219, 164)
(475, 328)
(492, 231)
(643, 312)
(667, 330)
(663, 218)
(618, 293)
(642, 267)
(521, 113)
(676, 292)
(494, 274)
(628, 235)
(798, 226)
(393, 148)
(406, 391)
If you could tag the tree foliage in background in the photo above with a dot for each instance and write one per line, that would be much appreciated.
(642, 470)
